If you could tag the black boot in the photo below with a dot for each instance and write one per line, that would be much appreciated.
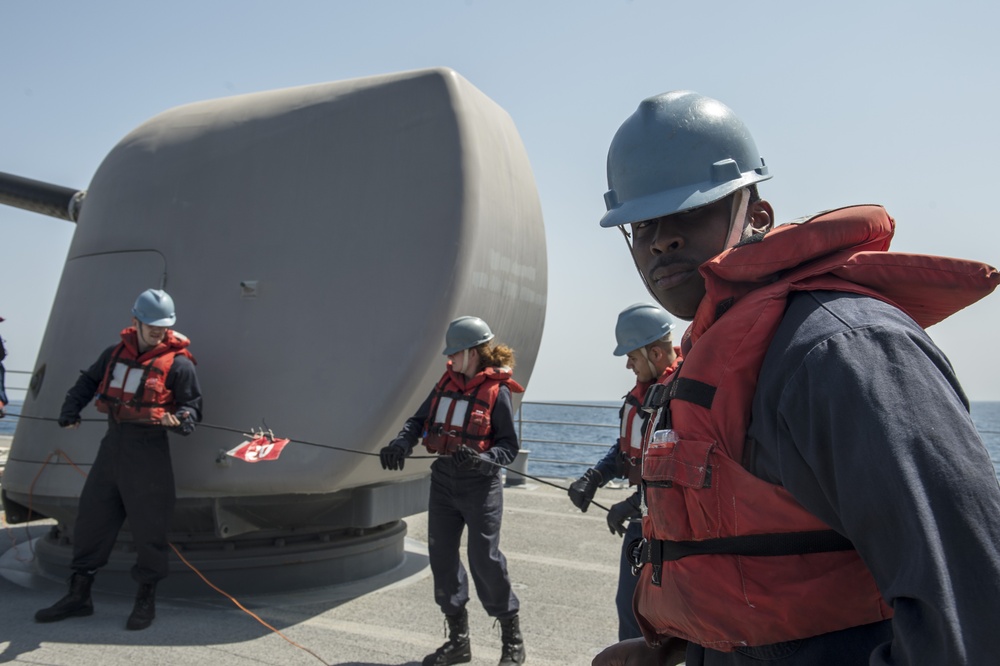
(145, 608)
(75, 604)
(457, 650)
(512, 651)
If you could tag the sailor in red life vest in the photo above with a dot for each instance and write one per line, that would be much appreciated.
(467, 419)
(147, 385)
(643, 334)
(815, 490)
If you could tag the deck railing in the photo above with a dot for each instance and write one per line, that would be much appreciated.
(562, 456)
(526, 442)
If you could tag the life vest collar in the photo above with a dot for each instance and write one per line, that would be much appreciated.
(172, 341)
(851, 241)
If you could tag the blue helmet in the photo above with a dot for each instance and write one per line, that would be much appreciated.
(639, 325)
(466, 333)
(154, 307)
(678, 151)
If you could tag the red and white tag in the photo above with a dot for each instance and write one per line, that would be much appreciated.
(259, 448)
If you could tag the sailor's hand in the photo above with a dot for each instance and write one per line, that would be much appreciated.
(619, 515)
(392, 457)
(467, 457)
(169, 421)
(69, 422)
(635, 652)
(186, 422)
(581, 491)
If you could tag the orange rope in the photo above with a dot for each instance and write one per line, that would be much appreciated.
(31, 495)
(242, 607)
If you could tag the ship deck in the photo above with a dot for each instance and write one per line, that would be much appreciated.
(563, 564)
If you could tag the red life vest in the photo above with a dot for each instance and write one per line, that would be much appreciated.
(633, 420)
(134, 385)
(697, 491)
(461, 408)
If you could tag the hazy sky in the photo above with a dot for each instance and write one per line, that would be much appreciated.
(850, 102)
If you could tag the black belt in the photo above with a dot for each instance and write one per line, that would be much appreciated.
(656, 552)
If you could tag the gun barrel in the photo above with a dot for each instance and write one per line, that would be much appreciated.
(38, 197)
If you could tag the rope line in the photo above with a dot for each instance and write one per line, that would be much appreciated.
(236, 602)
(242, 607)
(338, 448)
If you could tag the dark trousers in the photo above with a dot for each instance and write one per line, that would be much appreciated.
(628, 627)
(131, 478)
(850, 647)
(468, 499)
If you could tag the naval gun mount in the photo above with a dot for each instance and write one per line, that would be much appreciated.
(317, 241)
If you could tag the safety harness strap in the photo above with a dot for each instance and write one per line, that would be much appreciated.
(656, 551)
(692, 390)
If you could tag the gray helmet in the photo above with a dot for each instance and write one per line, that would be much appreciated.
(466, 333)
(679, 150)
(154, 307)
(639, 325)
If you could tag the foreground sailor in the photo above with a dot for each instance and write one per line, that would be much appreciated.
(468, 418)
(816, 490)
(146, 384)
(644, 338)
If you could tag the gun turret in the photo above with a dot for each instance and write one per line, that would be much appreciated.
(39, 197)
(268, 211)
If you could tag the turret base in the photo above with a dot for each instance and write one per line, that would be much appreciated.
(272, 565)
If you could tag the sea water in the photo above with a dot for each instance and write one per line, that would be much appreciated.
(578, 456)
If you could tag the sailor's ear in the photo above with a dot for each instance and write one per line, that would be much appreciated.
(656, 353)
(761, 216)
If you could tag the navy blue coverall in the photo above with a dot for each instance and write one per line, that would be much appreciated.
(472, 498)
(132, 477)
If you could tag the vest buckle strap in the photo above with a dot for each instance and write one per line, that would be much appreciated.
(656, 559)
(656, 551)
(439, 430)
(633, 553)
(632, 460)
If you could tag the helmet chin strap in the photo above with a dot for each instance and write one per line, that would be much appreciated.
(739, 215)
(652, 368)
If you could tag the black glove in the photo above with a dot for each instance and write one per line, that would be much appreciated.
(68, 421)
(187, 422)
(581, 491)
(392, 457)
(467, 457)
(619, 515)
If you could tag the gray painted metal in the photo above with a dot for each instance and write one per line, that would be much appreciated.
(317, 241)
